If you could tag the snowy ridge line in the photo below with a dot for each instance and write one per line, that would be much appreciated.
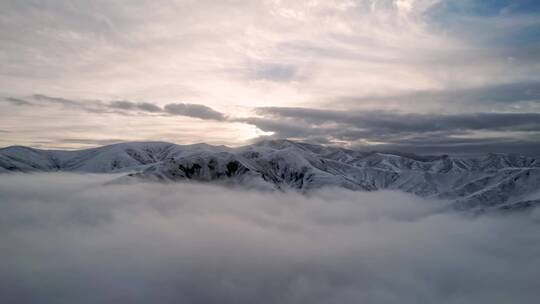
(478, 182)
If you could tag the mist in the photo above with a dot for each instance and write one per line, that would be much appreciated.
(69, 238)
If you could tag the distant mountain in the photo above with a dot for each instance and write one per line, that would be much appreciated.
(131, 156)
(479, 182)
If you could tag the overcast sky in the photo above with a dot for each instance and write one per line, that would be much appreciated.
(415, 75)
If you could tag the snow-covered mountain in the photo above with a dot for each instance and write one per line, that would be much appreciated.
(489, 181)
(131, 156)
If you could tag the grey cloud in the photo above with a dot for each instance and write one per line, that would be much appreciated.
(182, 109)
(96, 106)
(92, 106)
(50, 44)
(123, 104)
(354, 128)
(143, 106)
(496, 94)
(447, 145)
(411, 122)
(149, 107)
(18, 101)
(85, 141)
(189, 243)
(274, 72)
(405, 130)
(194, 110)
(286, 129)
(60, 100)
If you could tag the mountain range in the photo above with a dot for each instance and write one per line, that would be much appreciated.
(473, 182)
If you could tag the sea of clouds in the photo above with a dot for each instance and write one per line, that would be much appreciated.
(67, 238)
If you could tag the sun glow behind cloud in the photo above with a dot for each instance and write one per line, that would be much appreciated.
(403, 56)
(252, 53)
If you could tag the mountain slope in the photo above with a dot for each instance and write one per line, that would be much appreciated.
(112, 158)
(474, 182)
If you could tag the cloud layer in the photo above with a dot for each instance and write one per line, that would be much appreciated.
(70, 238)
(277, 52)
(439, 59)
(507, 132)
(126, 107)
(413, 132)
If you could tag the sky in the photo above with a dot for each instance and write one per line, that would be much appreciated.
(424, 76)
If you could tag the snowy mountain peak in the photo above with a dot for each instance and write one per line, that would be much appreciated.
(491, 180)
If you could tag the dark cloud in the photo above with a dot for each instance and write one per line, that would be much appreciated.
(194, 110)
(59, 100)
(491, 95)
(405, 130)
(70, 238)
(410, 122)
(123, 104)
(447, 145)
(143, 106)
(181, 109)
(91, 106)
(149, 107)
(483, 131)
(96, 106)
(18, 101)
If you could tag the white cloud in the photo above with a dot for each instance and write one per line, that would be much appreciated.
(164, 50)
(69, 238)
(238, 54)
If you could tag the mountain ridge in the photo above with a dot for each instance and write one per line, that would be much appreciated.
(483, 181)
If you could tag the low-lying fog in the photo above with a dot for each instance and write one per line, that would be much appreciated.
(67, 238)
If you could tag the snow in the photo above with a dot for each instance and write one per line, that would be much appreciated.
(473, 182)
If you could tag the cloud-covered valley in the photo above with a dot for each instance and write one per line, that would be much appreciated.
(69, 238)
